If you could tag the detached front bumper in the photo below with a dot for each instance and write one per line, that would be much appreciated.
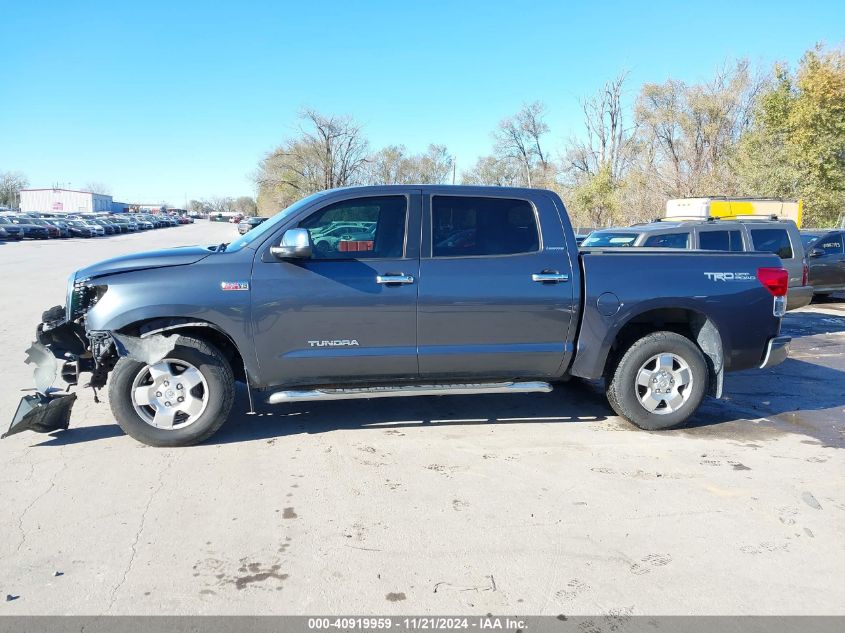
(66, 349)
(60, 349)
(42, 413)
(776, 351)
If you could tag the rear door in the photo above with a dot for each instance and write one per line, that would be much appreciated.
(347, 314)
(828, 269)
(496, 292)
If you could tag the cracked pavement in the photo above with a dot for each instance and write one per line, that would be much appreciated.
(416, 505)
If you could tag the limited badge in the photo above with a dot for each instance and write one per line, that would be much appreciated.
(234, 285)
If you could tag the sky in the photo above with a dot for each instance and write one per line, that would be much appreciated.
(168, 101)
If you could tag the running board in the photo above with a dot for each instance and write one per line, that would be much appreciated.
(409, 390)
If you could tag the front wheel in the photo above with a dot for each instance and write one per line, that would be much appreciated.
(181, 400)
(659, 382)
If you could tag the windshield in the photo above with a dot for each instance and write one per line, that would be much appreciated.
(808, 239)
(610, 239)
(261, 231)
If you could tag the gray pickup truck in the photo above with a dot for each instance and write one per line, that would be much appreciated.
(447, 290)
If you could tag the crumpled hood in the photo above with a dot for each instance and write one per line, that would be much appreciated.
(179, 256)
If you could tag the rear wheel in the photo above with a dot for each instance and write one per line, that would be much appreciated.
(659, 382)
(181, 400)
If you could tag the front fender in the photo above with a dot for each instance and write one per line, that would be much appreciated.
(153, 301)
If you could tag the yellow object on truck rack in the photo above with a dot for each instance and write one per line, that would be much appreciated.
(730, 208)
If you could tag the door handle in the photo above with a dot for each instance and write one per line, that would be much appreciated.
(549, 277)
(394, 278)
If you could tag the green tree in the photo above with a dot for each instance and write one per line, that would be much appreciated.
(795, 147)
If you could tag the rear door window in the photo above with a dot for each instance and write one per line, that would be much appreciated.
(772, 241)
(668, 240)
(720, 241)
(830, 244)
(464, 226)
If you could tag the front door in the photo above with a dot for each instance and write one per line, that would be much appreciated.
(497, 296)
(347, 314)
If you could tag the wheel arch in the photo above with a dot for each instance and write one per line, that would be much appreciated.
(693, 324)
(201, 329)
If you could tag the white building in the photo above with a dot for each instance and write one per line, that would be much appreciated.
(64, 200)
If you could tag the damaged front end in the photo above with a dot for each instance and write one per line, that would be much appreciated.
(64, 348)
(61, 349)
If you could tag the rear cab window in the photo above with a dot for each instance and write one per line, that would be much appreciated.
(772, 240)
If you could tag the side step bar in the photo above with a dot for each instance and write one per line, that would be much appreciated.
(446, 389)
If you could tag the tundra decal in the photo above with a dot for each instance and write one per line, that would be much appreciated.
(339, 343)
(730, 276)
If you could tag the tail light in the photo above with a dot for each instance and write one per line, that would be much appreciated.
(805, 277)
(775, 280)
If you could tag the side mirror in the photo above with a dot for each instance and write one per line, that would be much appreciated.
(295, 244)
(816, 252)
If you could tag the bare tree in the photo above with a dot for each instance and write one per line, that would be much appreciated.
(98, 187)
(195, 206)
(222, 204)
(390, 165)
(394, 165)
(435, 165)
(519, 138)
(610, 140)
(692, 130)
(493, 171)
(597, 164)
(330, 151)
(11, 183)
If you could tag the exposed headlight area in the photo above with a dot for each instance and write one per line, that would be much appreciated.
(83, 296)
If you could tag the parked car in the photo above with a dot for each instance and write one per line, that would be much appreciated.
(31, 231)
(13, 230)
(155, 220)
(326, 239)
(249, 223)
(117, 226)
(826, 255)
(52, 230)
(127, 222)
(106, 226)
(61, 225)
(514, 311)
(237, 218)
(143, 223)
(780, 237)
(79, 228)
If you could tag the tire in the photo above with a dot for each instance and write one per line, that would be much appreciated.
(217, 387)
(648, 356)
